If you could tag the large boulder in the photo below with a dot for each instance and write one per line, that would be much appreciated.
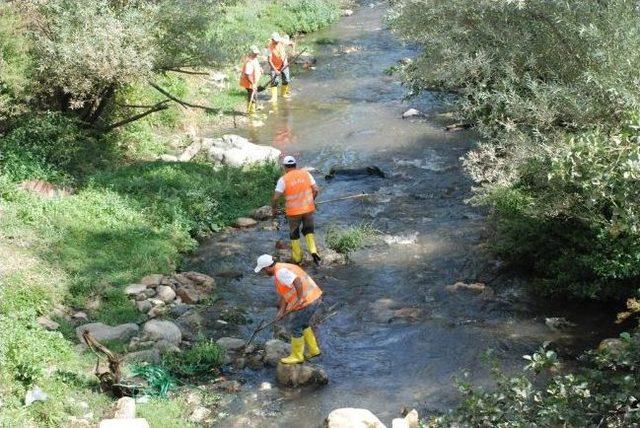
(134, 289)
(305, 374)
(237, 151)
(275, 350)
(231, 344)
(157, 330)
(262, 213)
(190, 324)
(188, 295)
(102, 332)
(353, 418)
(166, 293)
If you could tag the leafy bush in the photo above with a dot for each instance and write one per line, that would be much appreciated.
(602, 393)
(544, 85)
(51, 147)
(303, 16)
(203, 358)
(350, 239)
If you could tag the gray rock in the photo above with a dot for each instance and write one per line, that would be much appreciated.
(35, 394)
(47, 323)
(124, 423)
(231, 344)
(237, 151)
(190, 152)
(150, 292)
(179, 310)
(559, 323)
(190, 324)
(188, 295)
(140, 297)
(262, 213)
(305, 374)
(152, 280)
(134, 289)
(157, 330)
(243, 222)
(199, 415)
(102, 332)
(81, 315)
(275, 350)
(166, 293)
(165, 347)
(157, 311)
(347, 12)
(156, 302)
(125, 408)
(144, 306)
(353, 418)
(200, 278)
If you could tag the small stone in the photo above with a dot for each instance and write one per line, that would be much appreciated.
(262, 213)
(102, 332)
(157, 311)
(353, 418)
(134, 289)
(157, 330)
(305, 374)
(124, 423)
(412, 112)
(612, 346)
(140, 297)
(477, 287)
(80, 316)
(35, 394)
(265, 386)
(245, 222)
(166, 293)
(47, 323)
(150, 292)
(200, 278)
(199, 415)
(152, 280)
(239, 363)
(231, 344)
(125, 408)
(188, 295)
(347, 12)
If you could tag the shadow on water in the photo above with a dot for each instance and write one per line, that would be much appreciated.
(348, 113)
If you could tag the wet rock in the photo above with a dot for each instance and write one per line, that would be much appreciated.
(347, 12)
(181, 280)
(558, 323)
(229, 272)
(477, 287)
(262, 213)
(200, 278)
(275, 350)
(256, 361)
(230, 386)
(612, 346)
(305, 374)
(149, 292)
(199, 415)
(243, 222)
(152, 280)
(157, 330)
(353, 418)
(166, 293)
(181, 309)
(231, 344)
(102, 332)
(144, 306)
(125, 408)
(412, 112)
(47, 323)
(165, 347)
(410, 314)
(188, 295)
(237, 151)
(151, 356)
(124, 423)
(190, 324)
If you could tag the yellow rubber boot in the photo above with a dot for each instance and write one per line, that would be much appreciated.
(296, 251)
(297, 352)
(311, 343)
(274, 94)
(285, 91)
(251, 108)
(311, 246)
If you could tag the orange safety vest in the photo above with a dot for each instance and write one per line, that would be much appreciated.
(277, 54)
(298, 193)
(257, 72)
(310, 290)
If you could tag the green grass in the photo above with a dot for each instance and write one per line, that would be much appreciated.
(165, 413)
(349, 239)
(203, 358)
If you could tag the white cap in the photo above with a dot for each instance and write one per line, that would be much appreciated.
(289, 160)
(275, 37)
(264, 261)
(254, 50)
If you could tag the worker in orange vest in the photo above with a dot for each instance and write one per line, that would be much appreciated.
(300, 190)
(251, 73)
(300, 296)
(279, 64)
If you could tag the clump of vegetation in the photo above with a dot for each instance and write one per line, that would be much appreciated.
(544, 84)
(157, 377)
(205, 357)
(349, 239)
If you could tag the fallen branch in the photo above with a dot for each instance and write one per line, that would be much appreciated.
(185, 103)
(179, 70)
(158, 107)
(108, 379)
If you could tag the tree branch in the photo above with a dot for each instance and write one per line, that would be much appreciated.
(185, 103)
(179, 70)
(158, 107)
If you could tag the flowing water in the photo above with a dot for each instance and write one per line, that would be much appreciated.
(347, 112)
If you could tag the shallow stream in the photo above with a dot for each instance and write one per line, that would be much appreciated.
(347, 112)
